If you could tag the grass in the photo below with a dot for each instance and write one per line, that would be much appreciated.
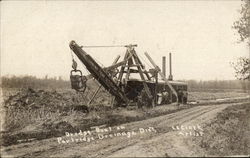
(196, 96)
(231, 128)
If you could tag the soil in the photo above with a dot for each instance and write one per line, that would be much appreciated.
(35, 120)
(166, 141)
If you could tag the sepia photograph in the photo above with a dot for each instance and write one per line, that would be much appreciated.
(106, 78)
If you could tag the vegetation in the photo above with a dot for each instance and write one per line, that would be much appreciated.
(194, 85)
(242, 65)
(242, 68)
(231, 129)
(33, 82)
(243, 24)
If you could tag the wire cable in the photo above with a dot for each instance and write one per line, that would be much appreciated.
(103, 46)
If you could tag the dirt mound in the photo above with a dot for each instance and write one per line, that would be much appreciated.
(31, 99)
(42, 114)
(30, 107)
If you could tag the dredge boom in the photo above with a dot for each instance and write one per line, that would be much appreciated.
(99, 73)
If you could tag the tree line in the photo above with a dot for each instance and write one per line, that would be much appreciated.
(33, 82)
(218, 85)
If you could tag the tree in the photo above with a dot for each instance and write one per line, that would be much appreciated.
(242, 68)
(243, 24)
(242, 65)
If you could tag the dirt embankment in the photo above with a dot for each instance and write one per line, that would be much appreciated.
(43, 114)
(229, 133)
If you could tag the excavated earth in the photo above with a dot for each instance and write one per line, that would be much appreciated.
(35, 121)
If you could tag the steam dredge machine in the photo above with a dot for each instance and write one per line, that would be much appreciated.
(149, 90)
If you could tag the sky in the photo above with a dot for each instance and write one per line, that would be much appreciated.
(35, 35)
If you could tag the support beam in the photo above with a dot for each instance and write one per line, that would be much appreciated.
(116, 60)
(94, 95)
(123, 67)
(139, 61)
(142, 76)
(99, 88)
(164, 78)
(122, 63)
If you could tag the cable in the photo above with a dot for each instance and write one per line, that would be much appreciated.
(98, 62)
(103, 46)
(71, 52)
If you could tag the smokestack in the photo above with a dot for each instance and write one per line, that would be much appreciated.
(170, 77)
(164, 66)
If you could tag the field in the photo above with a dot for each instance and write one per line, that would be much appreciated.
(36, 115)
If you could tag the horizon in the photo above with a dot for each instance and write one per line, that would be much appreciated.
(68, 80)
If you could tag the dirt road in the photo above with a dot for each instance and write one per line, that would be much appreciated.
(168, 135)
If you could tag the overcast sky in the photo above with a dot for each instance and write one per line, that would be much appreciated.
(35, 35)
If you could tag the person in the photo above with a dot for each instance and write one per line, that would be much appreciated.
(180, 96)
(184, 97)
(139, 101)
(159, 98)
(165, 96)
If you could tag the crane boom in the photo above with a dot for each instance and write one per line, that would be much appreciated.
(99, 73)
